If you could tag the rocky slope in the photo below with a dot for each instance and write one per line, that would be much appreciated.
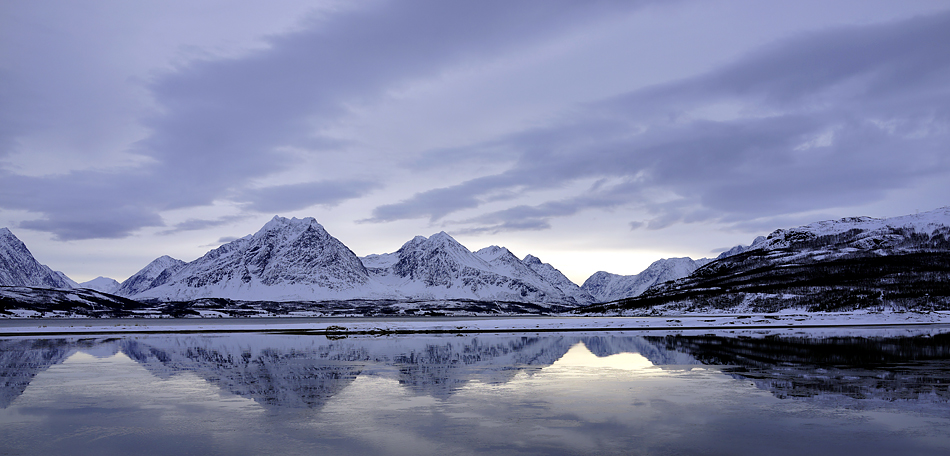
(838, 265)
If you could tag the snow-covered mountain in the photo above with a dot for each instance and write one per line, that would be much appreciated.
(757, 242)
(439, 267)
(103, 284)
(604, 286)
(862, 233)
(152, 275)
(288, 259)
(19, 268)
(555, 277)
(837, 265)
(297, 260)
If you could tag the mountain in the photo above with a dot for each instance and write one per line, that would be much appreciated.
(555, 277)
(604, 286)
(152, 275)
(18, 268)
(439, 267)
(103, 284)
(297, 260)
(901, 263)
(742, 248)
(288, 259)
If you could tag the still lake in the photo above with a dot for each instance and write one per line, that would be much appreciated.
(804, 391)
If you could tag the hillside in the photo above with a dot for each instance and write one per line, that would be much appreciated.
(900, 263)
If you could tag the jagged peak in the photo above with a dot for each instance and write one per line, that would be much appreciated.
(443, 239)
(279, 223)
(492, 252)
(674, 260)
(531, 259)
(6, 231)
(441, 236)
(164, 260)
(413, 243)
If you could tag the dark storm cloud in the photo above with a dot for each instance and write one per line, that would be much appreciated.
(822, 120)
(221, 123)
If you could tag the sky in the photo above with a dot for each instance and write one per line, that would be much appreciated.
(596, 135)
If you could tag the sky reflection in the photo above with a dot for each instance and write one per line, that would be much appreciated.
(496, 394)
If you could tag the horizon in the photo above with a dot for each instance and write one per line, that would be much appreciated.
(596, 137)
(474, 250)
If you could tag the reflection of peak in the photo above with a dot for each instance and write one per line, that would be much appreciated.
(306, 371)
(286, 378)
(22, 359)
(293, 371)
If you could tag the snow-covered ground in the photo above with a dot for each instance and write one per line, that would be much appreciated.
(476, 324)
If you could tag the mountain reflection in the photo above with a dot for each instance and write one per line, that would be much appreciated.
(886, 368)
(307, 371)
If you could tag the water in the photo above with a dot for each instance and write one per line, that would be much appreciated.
(870, 391)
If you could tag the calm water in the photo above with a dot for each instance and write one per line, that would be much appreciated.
(880, 391)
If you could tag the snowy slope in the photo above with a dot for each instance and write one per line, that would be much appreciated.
(19, 268)
(297, 260)
(742, 248)
(288, 259)
(604, 286)
(859, 232)
(555, 277)
(840, 265)
(103, 284)
(438, 267)
(152, 275)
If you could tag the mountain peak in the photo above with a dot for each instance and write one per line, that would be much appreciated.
(279, 222)
(286, 259)
(442, 237)
(492, 252)
(19, 268)
(531, 259)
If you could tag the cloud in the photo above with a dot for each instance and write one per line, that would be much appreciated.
(201, 224)
(220, 125)
(821, 120)
(291, 197)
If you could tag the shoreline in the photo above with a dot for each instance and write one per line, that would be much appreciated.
(339, 326)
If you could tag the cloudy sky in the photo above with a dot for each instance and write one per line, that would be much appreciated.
(597, 135)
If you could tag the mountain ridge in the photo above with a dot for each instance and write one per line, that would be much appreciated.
(900, 263)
